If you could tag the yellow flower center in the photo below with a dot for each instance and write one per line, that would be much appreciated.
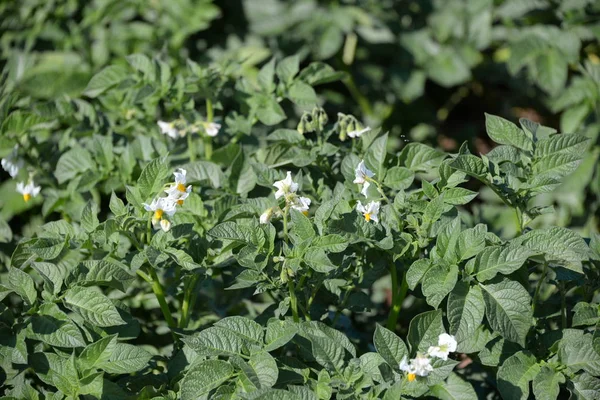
(411, 377)
(158, 214)
(181, 187)
(367, 217)
(180, 202)
(305, 213)
(26, 196)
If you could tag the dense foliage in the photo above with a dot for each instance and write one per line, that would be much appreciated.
(299, 200)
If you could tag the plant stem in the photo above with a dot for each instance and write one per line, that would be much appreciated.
(293, 300)
(191, 147)
(398, 296)
(563, 305)
(160, 296)
(519, 221)
(285, 228)
(538, 287)
(207, 139)
(188, 300)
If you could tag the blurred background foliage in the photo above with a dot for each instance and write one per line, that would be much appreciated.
(423, 70)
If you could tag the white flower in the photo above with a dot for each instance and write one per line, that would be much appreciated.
(12, 164)
(362, 173)
(420, 365)
(165, 225)
(301, 204)
(265, 217)
(161, 206)
(28, 190)
(365, 188)
(178, 192)
(285, 186)
(169, 129)
(370, 211)
(446, 344)
(212, 128)
(358, 132)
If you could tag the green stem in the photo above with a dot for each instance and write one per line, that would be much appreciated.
(563, 305)
(538, 287)
(519, 221)
(160, 296)
(208, 149)
(285, 227)
(293, 299)
(188, 300)
(342, 306)
(191, 147)
(398, 296)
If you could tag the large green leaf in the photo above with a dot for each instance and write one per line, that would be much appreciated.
(515, 374)
(503, 131)
(508, 309)
(499, 260)
(389, 346)
(93, 306)
(204, 377)
(465, 311)
(424, 330)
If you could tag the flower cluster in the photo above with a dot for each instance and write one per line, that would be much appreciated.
(287, 189)
(13, 164)
(364, 177)
(173, 130)
(421, 364)
(349, 126)
(164, 207)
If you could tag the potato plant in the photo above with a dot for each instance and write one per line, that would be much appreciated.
(179, 245)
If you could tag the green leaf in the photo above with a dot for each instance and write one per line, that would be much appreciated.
(438, 281)
(389, 346)
(448, 68)
(288, 68)
(585, 387)
(470, 165)
(399, 178)
(552, 70)
(54, 274)
(301, 229)
(318, 73)
(105, 79)
(445, 246)
(143, 64)
(243, 327)
(266, 76)
(93, 306)
(424, 330)
(458, 196)
(503, 131)
(22, 284)
(508, 309)
(317, 260)
(375, 156)
(416, 272)
(453, 389)
(89, 217)
(577, 353)
(205, 171)
(152, 178)
(559, 245)
(125, 359)
(54, 327)
(419, 157)
(471, 241)
(333, 243)
(515, 374)
(97, 352)
(302, 94)
(500, 260)
(465, 310)
(270, 112)
(546, 384)
(564, 144)
(216, 341)
(47, 248)
(73, 162)
(116, 205)
(279, 333)
(204, 377)
(327, 352)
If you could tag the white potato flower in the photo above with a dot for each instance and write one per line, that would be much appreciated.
(420, 365)
(177, 191)
(446, 345)
(161, 206)
(301, 204)
(265, 217)
(362, 173)
(285, 186)
(358, 132)
(12, 163)
(169, 129)
(28, 190)
(212, 128)
(369, 211)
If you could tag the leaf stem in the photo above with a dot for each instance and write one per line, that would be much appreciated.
(207, 139)
(539, 286)
(293, 300)
(563, 305)
(160, 296)
(398, 295)
(189, 298)
(191, 147)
